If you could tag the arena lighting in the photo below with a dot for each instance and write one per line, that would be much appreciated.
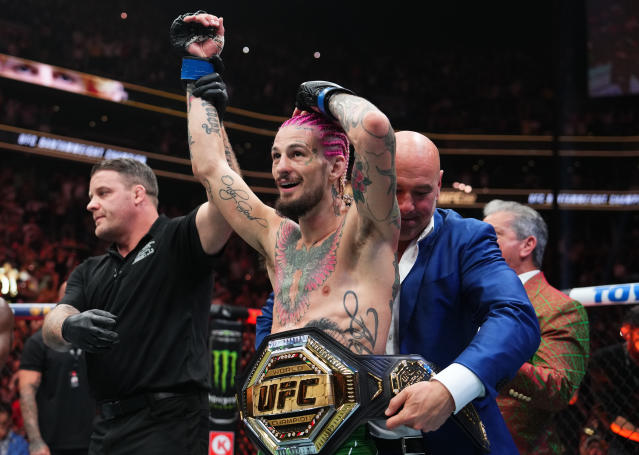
(316, 54)
(246, 49)
(463, 187)
(124, 15)
(74, 148)
(586, 199)
(624, 433)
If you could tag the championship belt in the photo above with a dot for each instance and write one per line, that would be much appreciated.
(304, 393)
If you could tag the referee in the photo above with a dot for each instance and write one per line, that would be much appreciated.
(140, 311)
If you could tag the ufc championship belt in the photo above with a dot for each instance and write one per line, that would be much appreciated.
(304, 393)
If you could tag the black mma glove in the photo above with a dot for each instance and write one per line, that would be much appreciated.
(314, 96)
(89, 330)
(182, 34)
(212, 89)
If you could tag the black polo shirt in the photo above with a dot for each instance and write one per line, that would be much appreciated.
(161, 292)
(63, 398)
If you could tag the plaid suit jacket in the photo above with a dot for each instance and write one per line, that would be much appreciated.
(545, 384)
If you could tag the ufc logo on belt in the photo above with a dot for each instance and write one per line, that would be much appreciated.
(292, 393)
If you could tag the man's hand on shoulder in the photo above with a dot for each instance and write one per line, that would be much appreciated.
(423, 406)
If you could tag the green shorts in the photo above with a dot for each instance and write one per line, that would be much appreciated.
(358, 443)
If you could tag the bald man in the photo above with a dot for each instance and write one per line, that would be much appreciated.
(454, 282)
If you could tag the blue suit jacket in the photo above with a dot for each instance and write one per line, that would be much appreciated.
(462, 303)
(459, 284)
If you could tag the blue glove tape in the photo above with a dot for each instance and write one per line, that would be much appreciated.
(320, 99)
(195, 68)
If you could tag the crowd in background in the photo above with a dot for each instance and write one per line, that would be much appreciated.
(457, 89)
(45, 230)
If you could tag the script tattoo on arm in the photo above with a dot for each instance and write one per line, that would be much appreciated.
(240, 197)
(212, 124)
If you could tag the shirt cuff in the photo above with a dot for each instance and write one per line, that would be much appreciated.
(463, 384)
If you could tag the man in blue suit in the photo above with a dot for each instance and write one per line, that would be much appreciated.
(460, 306)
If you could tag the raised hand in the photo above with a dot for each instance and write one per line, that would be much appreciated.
(198, 34)
(314, 96)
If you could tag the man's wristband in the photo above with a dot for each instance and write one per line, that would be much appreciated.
(324, 96)
(194, 68)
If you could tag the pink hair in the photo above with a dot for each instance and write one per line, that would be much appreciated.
(332, 136)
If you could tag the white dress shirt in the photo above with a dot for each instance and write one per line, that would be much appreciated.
(463, 384)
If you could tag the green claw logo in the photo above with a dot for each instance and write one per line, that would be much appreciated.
(224, 366)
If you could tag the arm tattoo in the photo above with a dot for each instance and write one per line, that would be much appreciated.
(360, 180)
(239, 196)
(212, 119)
(228, 153)
(358, 336)
(301, 271)
(29, 408)
(396, 283)
(350, 112)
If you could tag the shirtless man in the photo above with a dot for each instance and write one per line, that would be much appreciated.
(332, 264)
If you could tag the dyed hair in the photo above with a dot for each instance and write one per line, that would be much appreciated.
(332, 137)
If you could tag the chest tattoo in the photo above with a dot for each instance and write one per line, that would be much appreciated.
(300, 271)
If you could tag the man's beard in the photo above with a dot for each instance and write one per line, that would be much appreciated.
(301, 206)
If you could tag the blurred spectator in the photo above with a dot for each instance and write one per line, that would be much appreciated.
(6, 331)
(10, 442)
(614, 374)
(545, 384)
(54, 398)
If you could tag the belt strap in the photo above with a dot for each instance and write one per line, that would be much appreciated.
(117, 408)
(412, 445)
(306, 392)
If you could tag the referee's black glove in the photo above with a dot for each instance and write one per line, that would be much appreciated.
(90, 330)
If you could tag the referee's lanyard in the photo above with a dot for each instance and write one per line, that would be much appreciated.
(74, 381)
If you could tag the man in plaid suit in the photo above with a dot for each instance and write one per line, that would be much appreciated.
(543, 385)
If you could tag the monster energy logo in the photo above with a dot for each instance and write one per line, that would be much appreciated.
(224, 365)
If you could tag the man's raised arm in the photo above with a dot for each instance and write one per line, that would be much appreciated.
(373, 177)
(212, 158)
